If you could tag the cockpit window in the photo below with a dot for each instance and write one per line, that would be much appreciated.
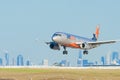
(57, 35)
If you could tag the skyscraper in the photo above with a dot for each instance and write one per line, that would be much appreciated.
(20, 61)
(103, 60)
(85, 63)
(28, 63)
(13, 62)
(45, 62)
(115, 58)
(7, 59)
(80, 54)
(80, 60)
(1, 62)
(65, 63)
(108, 59)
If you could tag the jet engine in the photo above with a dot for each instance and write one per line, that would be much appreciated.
(84, 46)
(54, 46)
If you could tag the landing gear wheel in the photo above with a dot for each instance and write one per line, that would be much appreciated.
(85, 52)
(65, 52)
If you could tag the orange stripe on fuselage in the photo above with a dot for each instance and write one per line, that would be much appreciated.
(73, 45)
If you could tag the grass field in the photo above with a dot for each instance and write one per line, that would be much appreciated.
(58, 74)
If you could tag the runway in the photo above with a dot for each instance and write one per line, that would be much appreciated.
(57, 67)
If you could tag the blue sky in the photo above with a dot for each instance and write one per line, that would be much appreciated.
(26, 24)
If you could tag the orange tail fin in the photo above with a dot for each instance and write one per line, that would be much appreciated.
(97, 31)
(96, 34)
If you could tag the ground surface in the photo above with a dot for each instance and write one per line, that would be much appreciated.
(58, 74)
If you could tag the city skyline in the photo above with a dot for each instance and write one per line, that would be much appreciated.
(26, 25)
(110, 59)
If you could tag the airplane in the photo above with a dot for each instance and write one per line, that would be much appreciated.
(73, 41)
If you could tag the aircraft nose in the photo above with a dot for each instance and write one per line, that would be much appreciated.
(55, 38)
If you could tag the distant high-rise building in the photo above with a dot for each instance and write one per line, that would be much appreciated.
(65, 63)
(80, 54)
(96, 63)
(103, 60)
(80, 60)
(28, 63)
(85, 62)
(45, 62)
(13, 61)
(115, 55)
(115, 58)
(20, 61)
(119, 62)
(108, 59)
(7, 59)
(1, 62)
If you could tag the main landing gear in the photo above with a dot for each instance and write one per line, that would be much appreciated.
(65, 51)
(85, 52)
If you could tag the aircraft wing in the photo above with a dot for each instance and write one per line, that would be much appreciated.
(102, 42)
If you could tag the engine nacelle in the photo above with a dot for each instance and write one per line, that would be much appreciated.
(84, 46)
(54, 46)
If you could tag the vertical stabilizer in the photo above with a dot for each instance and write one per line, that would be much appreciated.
(97, 31)
(96, 34)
